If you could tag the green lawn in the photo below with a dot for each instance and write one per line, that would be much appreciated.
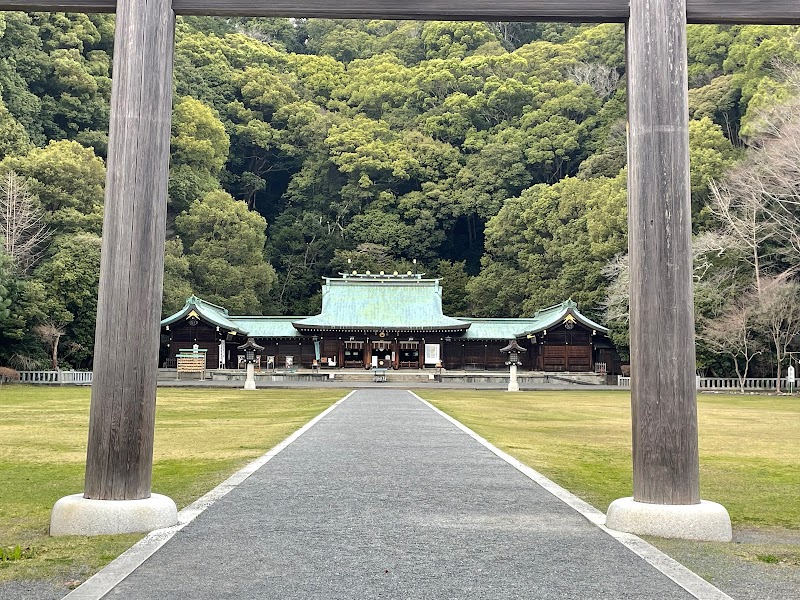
(581, 439)
(202, 436)
(749, 450)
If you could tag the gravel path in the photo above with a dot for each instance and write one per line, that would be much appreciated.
(738, 577)
(384, 498)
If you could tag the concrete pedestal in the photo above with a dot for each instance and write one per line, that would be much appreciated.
(513, 385)
(250, 381)
(707, 521)
(76, 515)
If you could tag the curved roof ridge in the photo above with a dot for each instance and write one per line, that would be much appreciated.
(222, 309)
(550, 317)
(570, 303)
(213, 314)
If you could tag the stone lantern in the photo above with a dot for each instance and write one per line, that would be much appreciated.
(251, 350)
(513, 350)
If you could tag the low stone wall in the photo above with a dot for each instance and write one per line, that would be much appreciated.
(410, 377)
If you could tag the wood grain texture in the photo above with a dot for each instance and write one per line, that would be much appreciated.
(120, 449)
(663, 395)
(698, 11)
(767, 12)
(585, 10)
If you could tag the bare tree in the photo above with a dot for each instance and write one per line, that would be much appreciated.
(775, 163)
(505, 29)
(22, 228)
(778, 163)
(740, 205)
(705, 247)
(601, 78)
(733, 334)
(779, 313)
(51, 333)
(617, 302)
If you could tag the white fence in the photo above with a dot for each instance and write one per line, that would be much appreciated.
(60, 377)
(732, 383)
(725, 383)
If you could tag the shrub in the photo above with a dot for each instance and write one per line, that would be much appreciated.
(8, 374)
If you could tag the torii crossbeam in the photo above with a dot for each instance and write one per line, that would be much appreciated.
(664, 410)
(767, 12)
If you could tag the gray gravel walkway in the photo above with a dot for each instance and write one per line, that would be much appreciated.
(384, 498)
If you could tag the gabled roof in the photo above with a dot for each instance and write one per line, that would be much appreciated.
(211, 313)
(394, 303)
(550, 317)
(383, 303)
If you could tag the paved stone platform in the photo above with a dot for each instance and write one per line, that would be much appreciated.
(385, 498)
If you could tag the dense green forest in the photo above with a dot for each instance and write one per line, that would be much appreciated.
(492, 153)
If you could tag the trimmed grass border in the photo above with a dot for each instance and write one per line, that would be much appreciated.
(202, 436)
(749, 450)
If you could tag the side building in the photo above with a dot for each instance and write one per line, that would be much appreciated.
(391, 321)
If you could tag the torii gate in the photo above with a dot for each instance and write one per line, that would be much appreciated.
(665, 455)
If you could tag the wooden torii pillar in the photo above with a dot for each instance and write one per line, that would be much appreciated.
(119, 457)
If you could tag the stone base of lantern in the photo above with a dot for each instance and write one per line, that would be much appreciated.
(250, 381)
(513, 384)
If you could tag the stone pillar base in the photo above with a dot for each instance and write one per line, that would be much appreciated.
(707, 521)
(250, 381)
(513, 385)
(76, 515)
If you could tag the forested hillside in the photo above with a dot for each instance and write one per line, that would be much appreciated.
(492, 153)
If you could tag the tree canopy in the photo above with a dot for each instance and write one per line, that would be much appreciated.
(493, 153)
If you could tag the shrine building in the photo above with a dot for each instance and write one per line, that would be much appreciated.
(391, 321)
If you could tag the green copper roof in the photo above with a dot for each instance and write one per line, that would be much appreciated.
(495, 329)
(508, 329)
(268, 327)
(211, 313)
(391, 303)
(552, 316)
(394, 303)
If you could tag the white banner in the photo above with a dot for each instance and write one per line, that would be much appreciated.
(432, 354)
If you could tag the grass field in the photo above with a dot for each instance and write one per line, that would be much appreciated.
(749, 445)
(749, 450)
(749, 457)
(202, 436)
